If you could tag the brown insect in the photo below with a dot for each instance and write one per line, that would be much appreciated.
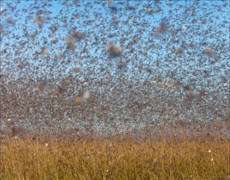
(77, 35)
(70, 43)
(114, 50)
(38, 20)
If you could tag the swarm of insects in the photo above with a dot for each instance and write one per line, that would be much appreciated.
(52, 61)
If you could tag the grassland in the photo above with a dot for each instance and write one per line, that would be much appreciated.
(119, 157)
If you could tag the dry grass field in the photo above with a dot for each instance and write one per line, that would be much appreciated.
(117, 157)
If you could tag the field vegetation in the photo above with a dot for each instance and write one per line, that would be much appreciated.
(118, 157)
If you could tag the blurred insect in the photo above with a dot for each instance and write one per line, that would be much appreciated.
(163, 26)
(59, 90)
(70, 43)
(114, 50)
(10, 21)
(77, 35)
(44, 51)
(209, 51)
(39, 20)
(178, 51)
(76, 70)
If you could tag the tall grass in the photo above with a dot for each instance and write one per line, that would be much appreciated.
(114, 158)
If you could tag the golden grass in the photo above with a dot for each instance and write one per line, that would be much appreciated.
(113, 159)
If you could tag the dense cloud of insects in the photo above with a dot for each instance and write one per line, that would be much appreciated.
(92, 66)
